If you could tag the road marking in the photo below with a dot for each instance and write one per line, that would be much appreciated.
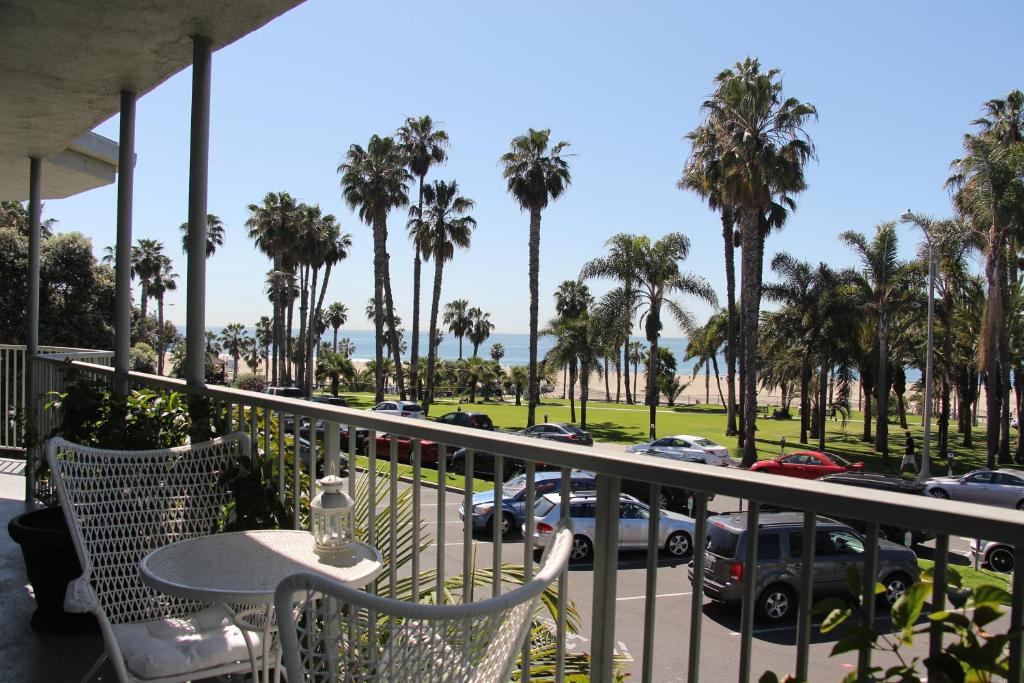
(659, 595)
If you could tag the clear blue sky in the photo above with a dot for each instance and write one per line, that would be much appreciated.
(895, 83)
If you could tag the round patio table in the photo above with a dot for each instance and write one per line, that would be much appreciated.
(244, 568)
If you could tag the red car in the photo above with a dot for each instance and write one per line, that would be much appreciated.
(428, 449)
(806, 465)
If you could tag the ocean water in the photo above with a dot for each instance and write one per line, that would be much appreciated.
(517, 346)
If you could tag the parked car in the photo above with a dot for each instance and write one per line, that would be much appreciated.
(998, 556)
(685, 447)
(400, 408)
(675, 531)
(320, 429)
(559, 431)
(1004, 488)
(330, 400)
(513, 498)
(285, 392)
(467, 419)
(483, 463)
(806, 465)
(883, 482)
(779, 552)
(670, 498)
(428, 449)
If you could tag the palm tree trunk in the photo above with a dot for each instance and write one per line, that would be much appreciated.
(867, 412)
(396, 351)
(288, 338)
(625, 370)
(276, 333)
(753, 253)
(718, 379)
(618, 377)
(534, 390)
(378, 313)
(144, 297)
(1018, 381)
(584, 395)
(304, 320)
(572, 392)
(652, 386)
(730, 345)
(707, 381)
(822, 393)
(318, 305)
(435, 302)
(565, 377)
(636, 371)
(160, 335)
(882, 421)
(805, 399)
(334, 347)
(607, 389)
(414, 361)
(234, 377)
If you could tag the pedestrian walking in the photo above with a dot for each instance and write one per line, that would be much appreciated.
(909, 463)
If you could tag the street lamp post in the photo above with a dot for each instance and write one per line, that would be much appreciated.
(926, 470)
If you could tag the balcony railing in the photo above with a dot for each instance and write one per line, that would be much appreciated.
(12, 386)
(250, 411)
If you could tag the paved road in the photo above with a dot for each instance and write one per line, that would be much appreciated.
(774, 647)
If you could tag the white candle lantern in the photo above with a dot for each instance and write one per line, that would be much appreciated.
(331, 511)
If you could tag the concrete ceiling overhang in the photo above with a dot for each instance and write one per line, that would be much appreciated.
(63, 64)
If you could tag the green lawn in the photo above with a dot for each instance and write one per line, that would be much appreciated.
(426, 474)
(971, 577)
(619, 423)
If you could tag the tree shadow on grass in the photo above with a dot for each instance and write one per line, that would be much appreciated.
(609, 431)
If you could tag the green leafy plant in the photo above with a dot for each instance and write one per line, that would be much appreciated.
(972, 653)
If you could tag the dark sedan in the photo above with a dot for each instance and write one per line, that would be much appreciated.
(883, 482)
(562, 432)
(466, 419)
(483, 463)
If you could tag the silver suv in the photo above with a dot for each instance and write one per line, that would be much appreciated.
(779, 548)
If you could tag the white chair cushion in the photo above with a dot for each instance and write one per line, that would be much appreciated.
(171, 647)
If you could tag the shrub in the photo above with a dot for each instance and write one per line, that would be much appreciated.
(250, 381)
(142, 358)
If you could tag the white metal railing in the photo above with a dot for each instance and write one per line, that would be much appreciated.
(251, 411)
(12, 385)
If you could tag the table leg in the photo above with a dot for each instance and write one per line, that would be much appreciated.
(253, 660)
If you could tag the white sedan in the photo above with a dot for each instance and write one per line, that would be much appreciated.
(400, 408)
(685, 447)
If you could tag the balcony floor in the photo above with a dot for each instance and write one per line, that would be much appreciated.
(29, 656)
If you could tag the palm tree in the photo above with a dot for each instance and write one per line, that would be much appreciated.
(474, 370)
(437, 229)
(704, 345)
(884, 280)
(657, 279)
(346, 347)
(480, 328)
(536, 174)
(334, 366)
(269, 226)
(375, 180)
(337, 315)
(264, 338)
(618, 265)
(572, 299)
(497, 352)
(762, 149)
(424, 146)
(636, 353)
(214, 234)
(147, 256)
(578, 345)
(458, 320)
(233, 340)
(519, 377)
(251, 354)
(703, 174)
(163, 280)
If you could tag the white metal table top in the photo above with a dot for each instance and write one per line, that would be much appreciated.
(246, 566)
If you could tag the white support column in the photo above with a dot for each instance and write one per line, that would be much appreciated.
(35, 207)
(123, 250)
(198, 177)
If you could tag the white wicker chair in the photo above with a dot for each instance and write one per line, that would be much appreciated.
(332, 633)
(120, 505)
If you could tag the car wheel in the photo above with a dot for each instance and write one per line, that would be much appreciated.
(1001, 560)
(776, 603)
(582, 549)
(895, 586)
(679, 544)
(459, 467)
(1020, 505)
(938, 493)
(508, 524)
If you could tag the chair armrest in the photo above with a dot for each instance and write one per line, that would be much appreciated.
(80, 597)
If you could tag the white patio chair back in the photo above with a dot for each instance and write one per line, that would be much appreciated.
(331, 633)
(120, 505)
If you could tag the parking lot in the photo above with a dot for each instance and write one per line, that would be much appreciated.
(773, 647)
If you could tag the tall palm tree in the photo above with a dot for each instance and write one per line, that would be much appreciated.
(480, 328)
(337, 315)
(264, 338)
(147, 256)
(618, 264)
(763, 151)
(519, 377)
(333, 246)
(269, 225)
(635, 354)
(657, 279)
(252, 354)
(578, 345)
(214, 234)
(424, 146)
(883, 280)
(233, 339)
(704, 345)
(163, 280)
(703, 174)
(441, 225)
(497, 352)
(536, 173)
(375, 180)
(458, 320)
(346, 347)
(572, 298)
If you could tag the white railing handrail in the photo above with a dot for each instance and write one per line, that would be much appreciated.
(99, 353)
(920, 512)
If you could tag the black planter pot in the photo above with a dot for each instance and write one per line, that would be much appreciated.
(51, 563)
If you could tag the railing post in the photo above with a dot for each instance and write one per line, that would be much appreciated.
(606, 558)
(332, 447)
(198, 178)
(749, 595)
(123, 248)
(806, 598)
(35, 207)
(868, 579)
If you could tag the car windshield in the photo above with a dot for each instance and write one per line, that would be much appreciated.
(722, 541)
(412, 406)
(543, 507)
(838, 460)
(705, 443)
(573, 430)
